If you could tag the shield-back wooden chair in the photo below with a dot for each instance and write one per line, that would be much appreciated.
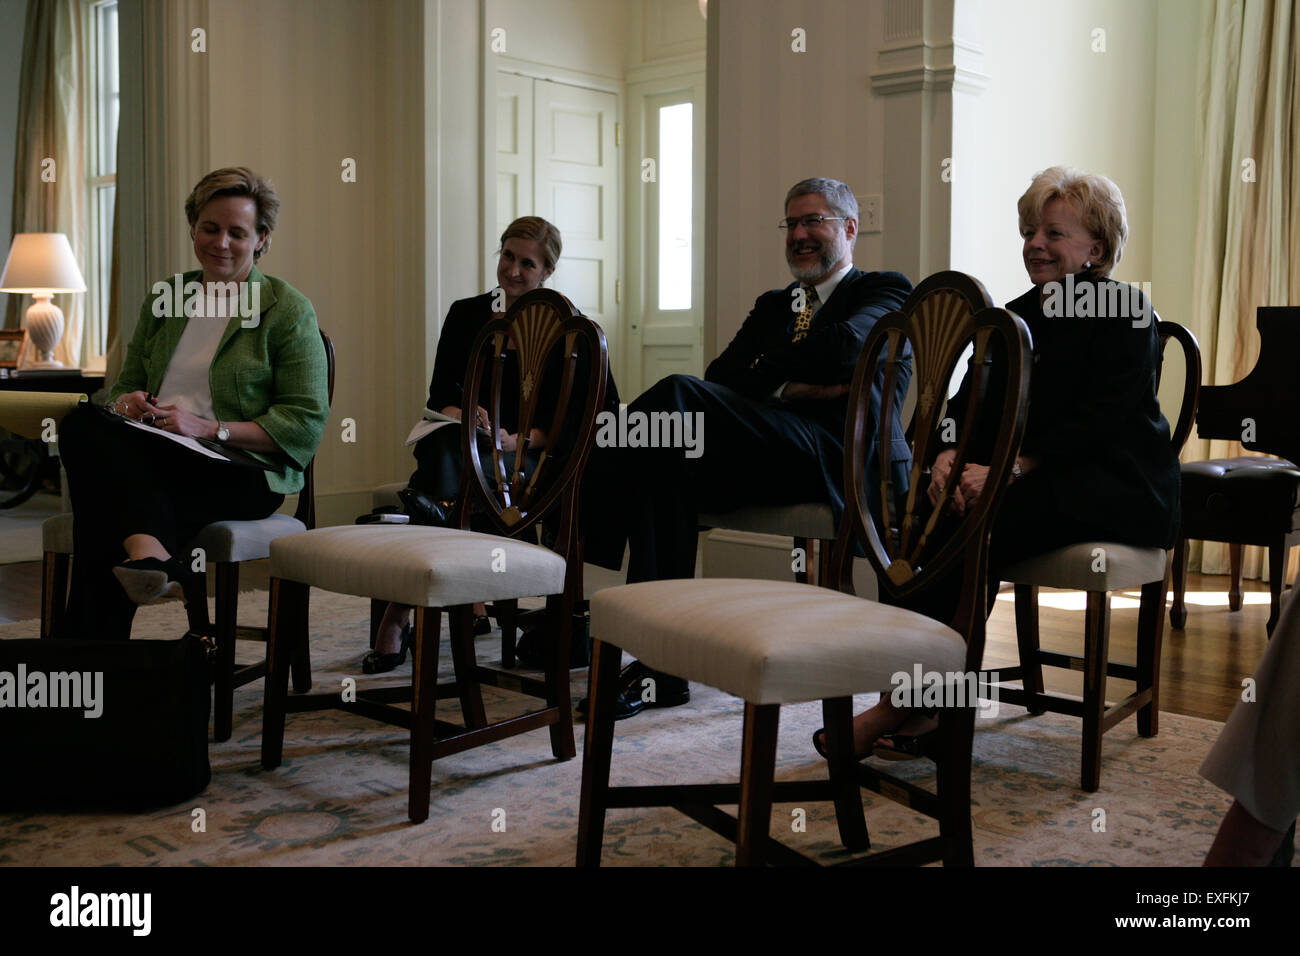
(773, 643)
(562, 364)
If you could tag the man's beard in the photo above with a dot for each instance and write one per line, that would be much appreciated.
(831, 253)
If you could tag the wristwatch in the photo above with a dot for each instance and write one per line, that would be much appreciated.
(223, 433)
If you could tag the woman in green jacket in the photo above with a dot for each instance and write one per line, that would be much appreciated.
(224, 354)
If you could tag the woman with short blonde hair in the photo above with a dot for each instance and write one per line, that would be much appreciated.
(1096, 462)
(1095, 198)
(252, 385)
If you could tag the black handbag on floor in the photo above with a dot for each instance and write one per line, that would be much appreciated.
(103, 724)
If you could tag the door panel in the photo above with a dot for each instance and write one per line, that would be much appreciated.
(575, 174)
(514, 179)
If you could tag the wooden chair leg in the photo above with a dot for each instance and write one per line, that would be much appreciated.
(1151, 627)
(602, 691)
(1276, 572)
(953, 782)
(1235, 553)
(424, 704)
(465, 662)
(300, 663)
(288, 628)
(559, 612)
(507, 615)
(54, 591)
(757, 769)
(1096, 648)
(837, 718)
(1178, 613)
(1027, 639)
(223, 692)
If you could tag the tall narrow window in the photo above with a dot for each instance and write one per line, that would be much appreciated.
(675, 207)
(103, 102)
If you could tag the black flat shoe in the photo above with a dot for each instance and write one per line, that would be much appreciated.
(669, 691)
(146, 580)
(482, 624)
(377, 663)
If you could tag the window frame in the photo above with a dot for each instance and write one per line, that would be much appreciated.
(103, 107)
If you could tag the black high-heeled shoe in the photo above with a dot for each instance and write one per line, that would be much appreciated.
(377, 663)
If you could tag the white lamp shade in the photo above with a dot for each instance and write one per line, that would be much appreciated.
(41, 262)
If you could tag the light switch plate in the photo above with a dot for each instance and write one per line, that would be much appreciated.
(872, 213)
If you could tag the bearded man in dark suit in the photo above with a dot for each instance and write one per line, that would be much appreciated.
(771, 409)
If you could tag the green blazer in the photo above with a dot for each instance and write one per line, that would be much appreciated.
(273, 373)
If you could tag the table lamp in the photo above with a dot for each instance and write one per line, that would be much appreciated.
(42, 263)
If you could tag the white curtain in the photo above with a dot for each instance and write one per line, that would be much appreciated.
(51, 124)
(1248, 231)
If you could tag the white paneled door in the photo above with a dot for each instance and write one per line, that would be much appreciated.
(514, 179)
(575, 186)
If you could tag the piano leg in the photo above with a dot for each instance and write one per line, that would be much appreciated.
(1178, 611)
(1277, 552)
(1235, 552)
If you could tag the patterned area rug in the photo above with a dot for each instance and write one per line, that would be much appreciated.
(340, 796)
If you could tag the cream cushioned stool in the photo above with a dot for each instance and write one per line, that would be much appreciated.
(561, 359)
(772, 643)
(506, 612)
(1099, 567)
(422, 567)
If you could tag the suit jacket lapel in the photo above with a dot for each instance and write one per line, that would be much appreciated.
(837, 297)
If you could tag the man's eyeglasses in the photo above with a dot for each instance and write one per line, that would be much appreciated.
(808, 222)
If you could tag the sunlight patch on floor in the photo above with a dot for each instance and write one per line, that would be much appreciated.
(1124, 600)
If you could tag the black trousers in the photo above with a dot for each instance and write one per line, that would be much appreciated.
(124, 482)
(754, 453)
(439, 462)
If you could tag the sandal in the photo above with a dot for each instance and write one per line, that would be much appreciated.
(904, 746)
(818, 741)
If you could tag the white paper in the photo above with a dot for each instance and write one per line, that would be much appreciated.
(185, 440)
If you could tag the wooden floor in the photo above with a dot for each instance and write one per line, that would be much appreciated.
(1201, 667)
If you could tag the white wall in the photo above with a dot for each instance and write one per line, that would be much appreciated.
(776, 117)
(1051, 99)
(581, 35)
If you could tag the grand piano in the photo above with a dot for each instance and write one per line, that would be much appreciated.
(1249, 500)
